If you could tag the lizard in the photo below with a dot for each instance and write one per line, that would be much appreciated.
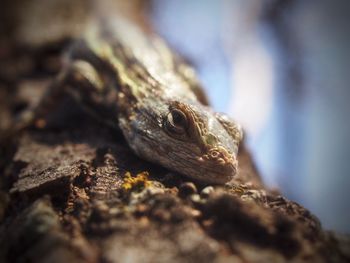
(130, 78)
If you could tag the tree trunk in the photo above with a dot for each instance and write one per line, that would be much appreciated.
(74, 192)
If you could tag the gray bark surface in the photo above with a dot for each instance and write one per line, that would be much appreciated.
(65, 191)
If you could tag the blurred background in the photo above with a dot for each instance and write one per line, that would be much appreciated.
(281, 68)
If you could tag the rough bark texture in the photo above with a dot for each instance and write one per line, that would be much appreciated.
(74, 192)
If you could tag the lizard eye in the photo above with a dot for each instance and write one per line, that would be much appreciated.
(176, 122)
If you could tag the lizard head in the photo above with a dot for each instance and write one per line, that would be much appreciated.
(189, 139)
(211, 149)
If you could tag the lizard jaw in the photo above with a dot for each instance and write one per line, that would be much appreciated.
(220, 162)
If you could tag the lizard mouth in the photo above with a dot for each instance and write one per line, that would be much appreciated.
(219, 162)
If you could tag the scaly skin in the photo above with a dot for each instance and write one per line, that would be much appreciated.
(132, 80)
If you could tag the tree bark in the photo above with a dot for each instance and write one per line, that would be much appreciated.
(74, 192)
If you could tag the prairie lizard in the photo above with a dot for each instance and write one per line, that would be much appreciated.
(130, 79)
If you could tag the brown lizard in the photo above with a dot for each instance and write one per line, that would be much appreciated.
(130, 79)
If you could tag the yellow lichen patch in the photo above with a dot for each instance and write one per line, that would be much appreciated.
(138, 182)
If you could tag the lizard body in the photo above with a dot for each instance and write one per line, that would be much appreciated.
(132, 80)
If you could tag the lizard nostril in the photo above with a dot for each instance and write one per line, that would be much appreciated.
(214, 154)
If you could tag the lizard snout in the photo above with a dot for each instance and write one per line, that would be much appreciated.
(221, 160)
